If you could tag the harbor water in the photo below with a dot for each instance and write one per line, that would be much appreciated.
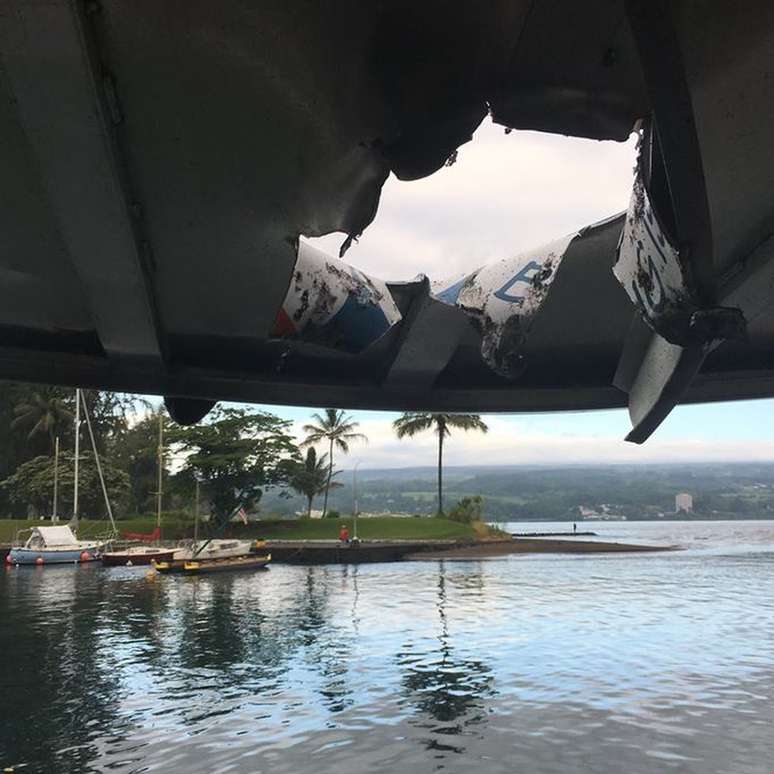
(539, 663)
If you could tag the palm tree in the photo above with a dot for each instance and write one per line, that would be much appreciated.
(338, 430)
(44, 412)
(412, 422)
(310, 477)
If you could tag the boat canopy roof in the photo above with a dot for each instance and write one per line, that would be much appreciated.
(54, 536)
(160, 171)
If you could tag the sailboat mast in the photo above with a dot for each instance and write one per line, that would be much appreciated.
(54, 516)
(77, 452)
(108, 507)
(160, 471)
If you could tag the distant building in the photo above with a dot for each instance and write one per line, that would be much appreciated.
(684, 502)
(605, 513)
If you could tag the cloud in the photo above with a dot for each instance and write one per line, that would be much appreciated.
(505, 194)
(512, 441)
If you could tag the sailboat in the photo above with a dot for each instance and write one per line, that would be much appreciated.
(59, 545)
(54, 545)
(134, 555)
(146, 554)
(205, 551)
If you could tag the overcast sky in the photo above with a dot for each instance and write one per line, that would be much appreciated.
(507, 193)
(717, 432)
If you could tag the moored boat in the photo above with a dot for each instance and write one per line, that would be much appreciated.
(135, 555)
(145, 554)
(213, 549)
(251, 562)
(205, 551)
(54, 545)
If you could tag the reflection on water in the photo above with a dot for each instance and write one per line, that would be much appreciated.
(444, 688)
(536, 663)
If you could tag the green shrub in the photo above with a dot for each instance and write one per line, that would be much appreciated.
(467, 510)
(333, 515)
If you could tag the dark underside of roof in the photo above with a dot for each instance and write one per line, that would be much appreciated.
(160, 161)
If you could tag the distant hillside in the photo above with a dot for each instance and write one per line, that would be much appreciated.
(518, 493)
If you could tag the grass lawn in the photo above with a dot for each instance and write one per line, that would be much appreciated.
(373, 528)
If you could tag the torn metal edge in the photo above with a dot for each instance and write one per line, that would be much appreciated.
(649, 268)
(503, 297)
(332, 304)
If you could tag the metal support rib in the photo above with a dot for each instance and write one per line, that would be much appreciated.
(430, 334)
(656, 375)
(68, 107)
(665, 370)
(664, 70)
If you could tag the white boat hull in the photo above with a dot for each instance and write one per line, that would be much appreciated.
(215, 549)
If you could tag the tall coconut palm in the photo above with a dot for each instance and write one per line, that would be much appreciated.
(310, 477)
(43, 411)
(337, 429)
(413, 422)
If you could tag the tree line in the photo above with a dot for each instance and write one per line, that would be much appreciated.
(232, 457)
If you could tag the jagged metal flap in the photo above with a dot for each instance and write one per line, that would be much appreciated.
(332, 304)
(649, 268)
(503, 297)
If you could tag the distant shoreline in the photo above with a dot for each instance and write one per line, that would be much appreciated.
(491, 549)
(322, 552)
(332, 552)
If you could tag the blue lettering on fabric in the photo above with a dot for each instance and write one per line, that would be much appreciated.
(525, 275)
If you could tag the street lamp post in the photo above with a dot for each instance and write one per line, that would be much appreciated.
(354, 500)
(54, 514)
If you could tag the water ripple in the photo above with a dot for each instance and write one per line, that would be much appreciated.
(540, 663)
